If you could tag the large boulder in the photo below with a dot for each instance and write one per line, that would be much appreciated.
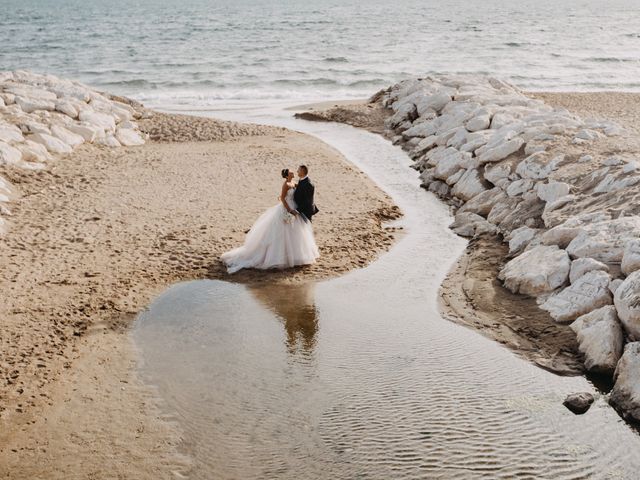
(600, 339)
(128, 137)
(581, 266)
(87, 131)
(52, 144)
(589, 292)
(501, 151)
(34, 152)
(469, 185)
(469, 224)
(539, 270)
(520, 238)
(627, 302)
(102, 120)
(10, 133)
(605, 241)
(538, 166)
(625, 395)
(70, 138)
(9, 155)
(631, 257)
(29, 105)
(552, 191)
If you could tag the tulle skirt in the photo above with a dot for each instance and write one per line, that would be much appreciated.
(274, 242)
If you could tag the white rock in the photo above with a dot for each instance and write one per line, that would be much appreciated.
(102, 120)
(481, 122)
(8, 98)
(611, 183)
(423, 129)
(613, 161)
(501, 119)
(448, 162)
(30, 105)
(475, 140)
(585, 159)
(520, 238)
(501, 151)
(458, 139)
(109, 141)
(589, 292)
(538, 166)
(588, 135)
(600, 339)
(581, 266)
(552, 191)
(455, 177)
(10, 133)
(53, 144)
(469, 224)
(34, 152)
(129, 137)
(605, 241)
(614, 284)
(435, 102)
(496, 173)
(66, 107)
(469, 185)
(70, 138)
(482, 203)
(631, 166)
(631, 257)
(519, 187)
(564, 233)
(625, 395)
(31, 92)
(539, 270)
(9, 155)
(627, 301)
(88, 132)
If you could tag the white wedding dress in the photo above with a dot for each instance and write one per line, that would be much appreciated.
(275, 242)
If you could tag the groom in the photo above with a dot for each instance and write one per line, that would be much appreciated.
(303, 195)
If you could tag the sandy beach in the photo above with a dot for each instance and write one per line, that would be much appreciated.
(95, 236)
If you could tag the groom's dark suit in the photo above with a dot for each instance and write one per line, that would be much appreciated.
(303, 197)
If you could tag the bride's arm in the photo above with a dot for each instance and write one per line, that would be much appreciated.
(283, 197)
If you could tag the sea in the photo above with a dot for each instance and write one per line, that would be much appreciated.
(195, 54)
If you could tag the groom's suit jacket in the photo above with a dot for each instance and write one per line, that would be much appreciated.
(303, 197)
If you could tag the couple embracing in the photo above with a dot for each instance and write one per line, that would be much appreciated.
(282, 236)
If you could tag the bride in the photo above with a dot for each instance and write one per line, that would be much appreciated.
(280, 238)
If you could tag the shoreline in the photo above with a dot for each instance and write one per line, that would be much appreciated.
(97, 233)
(473, 277)
(472, 295)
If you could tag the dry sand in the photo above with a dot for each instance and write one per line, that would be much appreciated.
(471, 295)
(98, 234)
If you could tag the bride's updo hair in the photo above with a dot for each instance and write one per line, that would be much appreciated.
(285, 173)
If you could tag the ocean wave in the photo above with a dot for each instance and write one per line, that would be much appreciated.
(335, 60)
(202, 99)
(611, 59)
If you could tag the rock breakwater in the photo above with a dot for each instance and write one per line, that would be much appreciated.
(561, 190)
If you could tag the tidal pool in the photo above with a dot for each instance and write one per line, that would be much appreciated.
(359, 377)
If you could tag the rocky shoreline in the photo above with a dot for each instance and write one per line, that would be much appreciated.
(560, 191)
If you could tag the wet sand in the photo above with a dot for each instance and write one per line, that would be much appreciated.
(471, 295)
(98, 234)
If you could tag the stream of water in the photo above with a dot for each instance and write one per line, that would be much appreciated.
(359, 377)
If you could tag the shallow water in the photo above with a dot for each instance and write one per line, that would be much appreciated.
(359, 376)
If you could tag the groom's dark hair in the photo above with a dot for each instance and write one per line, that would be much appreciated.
(304, 167)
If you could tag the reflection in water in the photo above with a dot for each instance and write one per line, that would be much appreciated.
(295, 306)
